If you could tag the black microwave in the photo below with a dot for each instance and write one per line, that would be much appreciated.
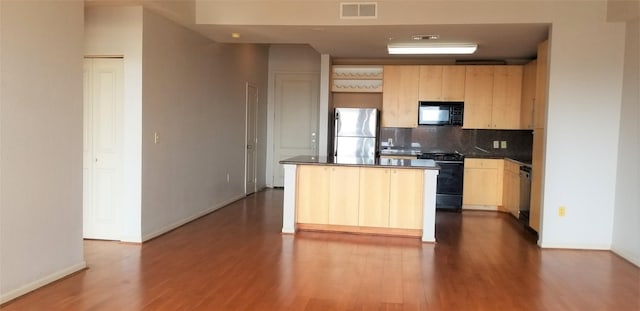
(440, 113)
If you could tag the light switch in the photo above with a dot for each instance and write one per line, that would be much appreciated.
(156, 137)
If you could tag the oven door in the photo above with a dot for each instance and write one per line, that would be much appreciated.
(450, 183)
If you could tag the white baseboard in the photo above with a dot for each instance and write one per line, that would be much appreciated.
(13, 294)
(593, 247)
(181, 222)
(628, 257)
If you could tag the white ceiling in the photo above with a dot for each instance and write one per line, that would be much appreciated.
(510, 42)
(513, 43)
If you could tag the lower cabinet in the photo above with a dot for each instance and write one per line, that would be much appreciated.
(374, 197)
(325, 195)
(482, 185)
(312, 194)
(511, 193)
(360, 197)
(405, 199)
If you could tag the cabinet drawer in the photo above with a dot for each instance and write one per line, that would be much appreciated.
(481, 163)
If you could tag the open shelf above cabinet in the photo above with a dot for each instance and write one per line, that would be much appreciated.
(359, 79)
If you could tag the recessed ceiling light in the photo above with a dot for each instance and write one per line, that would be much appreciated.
(235, 35)
(414, 48)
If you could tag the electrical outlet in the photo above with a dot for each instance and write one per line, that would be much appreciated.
(390, 142)
(562, 211)
(503, 144)
(496, 144)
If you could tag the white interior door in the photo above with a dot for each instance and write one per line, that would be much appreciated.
(251, 139)
(103, 98)
(297, 97)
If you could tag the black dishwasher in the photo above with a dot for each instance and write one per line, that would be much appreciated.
(525, 194)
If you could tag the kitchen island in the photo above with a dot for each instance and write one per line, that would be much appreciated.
(360, 195)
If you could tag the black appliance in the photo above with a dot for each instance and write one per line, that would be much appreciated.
(525, 194)
(450, 179)
(440, 113)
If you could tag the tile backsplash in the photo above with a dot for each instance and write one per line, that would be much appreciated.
(469, 142)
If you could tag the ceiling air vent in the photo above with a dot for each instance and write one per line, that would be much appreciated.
(352, 10)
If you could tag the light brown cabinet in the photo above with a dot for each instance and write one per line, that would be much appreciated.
(344, 182)
(441, 83)
(528, 94)
(482, 184)
(540, 108)
(374, 197)
(391, 198)
(539, 120)
(400, 96)
(493, 95)
(478, 95)
(511, 189)
(325, 195)
(355, 197)
(405, 198)
(312, 194)
(507, 97)
(537, 173)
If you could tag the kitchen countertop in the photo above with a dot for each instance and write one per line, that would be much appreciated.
(368, 162)
(416, 152)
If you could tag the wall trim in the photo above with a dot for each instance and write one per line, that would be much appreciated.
(184, 221)
(628, 256)
(27, 288)
(600, 247)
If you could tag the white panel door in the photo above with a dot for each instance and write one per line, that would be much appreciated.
(297, 97)
(103, 98)
(251, 139)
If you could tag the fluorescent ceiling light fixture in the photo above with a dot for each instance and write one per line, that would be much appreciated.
(431, 48)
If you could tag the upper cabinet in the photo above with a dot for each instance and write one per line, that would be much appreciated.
(400, 96)
(441, 83)
(493, 95)
(528, 94)
(539, 109)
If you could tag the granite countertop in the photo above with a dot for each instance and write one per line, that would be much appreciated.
(526, 162)
(369, 162)
(400, 151)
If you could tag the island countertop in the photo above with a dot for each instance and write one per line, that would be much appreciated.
(368, 162)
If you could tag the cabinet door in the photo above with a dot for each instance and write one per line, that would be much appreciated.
(478, 97)
(480, 186)
(536, 179)
(405, 198)
(507, 96)
(312, 194)
(528, 94)
(453, 83)
(430, 88)
(539, 110)
(374, 197)
(343, 196)
(482, 178)
(400, 96)
(511, 189)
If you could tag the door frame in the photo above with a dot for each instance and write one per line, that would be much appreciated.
(246, 139)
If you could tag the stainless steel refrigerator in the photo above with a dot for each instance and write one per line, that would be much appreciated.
(356, 132)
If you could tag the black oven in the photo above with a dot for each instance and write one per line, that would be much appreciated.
(450, 179)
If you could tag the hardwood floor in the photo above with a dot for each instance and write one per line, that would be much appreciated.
(236, 259)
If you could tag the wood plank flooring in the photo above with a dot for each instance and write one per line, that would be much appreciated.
(236, 259)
